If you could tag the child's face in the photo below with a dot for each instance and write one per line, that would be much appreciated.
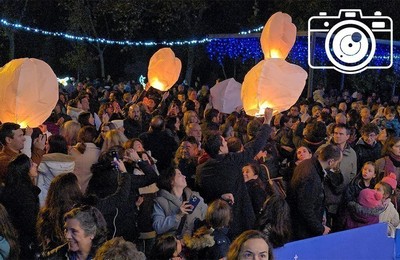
(379, 188)
(248, 173)
(368, 172)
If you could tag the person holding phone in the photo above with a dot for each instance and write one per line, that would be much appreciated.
(176, 208)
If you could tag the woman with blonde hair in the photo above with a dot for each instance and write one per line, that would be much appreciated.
(70, 131)
(190, 117)
(113, 138)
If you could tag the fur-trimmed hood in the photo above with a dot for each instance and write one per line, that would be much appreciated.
(201, 239)
(363, 214)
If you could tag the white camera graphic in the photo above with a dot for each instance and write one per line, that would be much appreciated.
(349, 41)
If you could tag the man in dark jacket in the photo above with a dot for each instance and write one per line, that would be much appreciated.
(160, 143)
(221, 176)
(306, 194)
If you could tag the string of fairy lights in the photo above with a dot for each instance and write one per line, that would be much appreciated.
(220, 49)
(17, 26)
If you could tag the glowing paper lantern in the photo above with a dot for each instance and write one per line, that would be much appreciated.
(28, 92)
(278, 36)
(272, 83)
(226, 95)
(164, 69)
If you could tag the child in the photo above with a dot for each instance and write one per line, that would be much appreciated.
(365, 211)
(363, 180)
(387, 187)
(210, 241)
(391, 120)
(166, 247)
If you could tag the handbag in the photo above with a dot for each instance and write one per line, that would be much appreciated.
(274, 186)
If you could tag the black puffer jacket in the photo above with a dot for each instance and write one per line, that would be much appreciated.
(114, 194)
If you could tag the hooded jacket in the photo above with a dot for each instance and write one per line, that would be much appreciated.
(52, 164)
(359, 216)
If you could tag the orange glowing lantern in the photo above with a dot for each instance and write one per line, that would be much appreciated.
(164, 69)
(28, 92)
(278, 36)
(274, 82)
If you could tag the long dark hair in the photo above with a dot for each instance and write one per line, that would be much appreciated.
(64, 192)
(274, 220)
(18, 172)
(58, 144)
(9, 233)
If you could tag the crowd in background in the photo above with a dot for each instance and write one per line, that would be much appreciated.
(131, 171)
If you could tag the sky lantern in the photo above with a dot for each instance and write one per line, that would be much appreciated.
(278, 36)
(28, 92)
(226, 95)
(164, 69)
(274, 82)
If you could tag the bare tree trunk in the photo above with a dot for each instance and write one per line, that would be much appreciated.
(101, 57)
(223, 70)
(11, 40)
(190, 65)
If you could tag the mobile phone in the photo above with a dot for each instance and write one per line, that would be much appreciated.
(194, 201)
(114, 154)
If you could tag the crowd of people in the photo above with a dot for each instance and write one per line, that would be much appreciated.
(133, 172)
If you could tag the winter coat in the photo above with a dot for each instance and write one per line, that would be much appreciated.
(61, 253)
(306, 199)
(166, 211)
(355, 187)
(4, 248)
(6, 155)
(223, 174)
(359, 216)
(116, 196)
(209, 243)
(366, 152)
(380, 167)
(52, 165)
(22, 204)
(162, 147)
(83, 163)
(257, 194)
(390, 216)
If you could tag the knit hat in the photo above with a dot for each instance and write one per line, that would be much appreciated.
(370, 198)
(391, 180)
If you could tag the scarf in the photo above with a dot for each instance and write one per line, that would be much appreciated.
(395, 159)
(389, 165)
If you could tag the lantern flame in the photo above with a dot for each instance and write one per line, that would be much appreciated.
(157, 84)
(276, 54)
(23, 124)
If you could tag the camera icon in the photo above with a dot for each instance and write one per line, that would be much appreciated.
(348, 42)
